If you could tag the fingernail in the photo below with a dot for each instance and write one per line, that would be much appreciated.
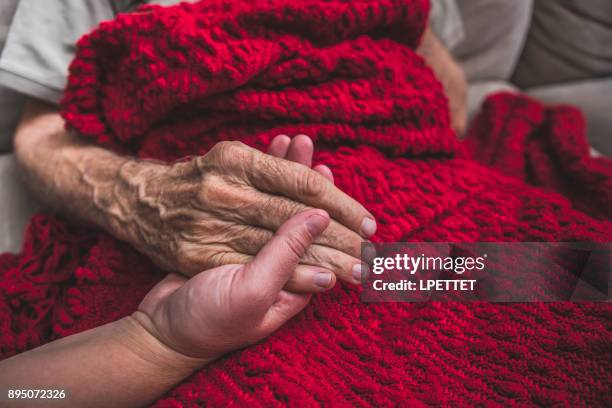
(323, 279)
(315, 224)
(357, 272)
(368, 227)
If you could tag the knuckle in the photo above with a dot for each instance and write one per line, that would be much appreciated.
(316, 257)
(226, 152)
(298, 284)
(297, 243)
(319, 258)
(310, 184)
(294, 281)
(268, 165)
(215, 191)
(208, 181)
(342, 239)
(222, 148)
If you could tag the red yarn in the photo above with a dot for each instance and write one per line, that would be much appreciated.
(171, 82)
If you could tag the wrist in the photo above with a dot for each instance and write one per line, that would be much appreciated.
(137, 337)
(135, 180)
(148, 197)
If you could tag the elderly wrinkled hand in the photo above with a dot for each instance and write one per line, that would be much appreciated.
(223, 207)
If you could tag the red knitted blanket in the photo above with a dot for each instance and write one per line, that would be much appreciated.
(170, 82)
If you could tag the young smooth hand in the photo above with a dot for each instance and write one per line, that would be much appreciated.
(229, 307)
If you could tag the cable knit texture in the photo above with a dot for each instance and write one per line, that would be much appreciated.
(170, 82)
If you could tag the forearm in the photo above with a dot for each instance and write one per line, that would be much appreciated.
(436, 55)
(118, 364)
(450, 74)
(73, 177)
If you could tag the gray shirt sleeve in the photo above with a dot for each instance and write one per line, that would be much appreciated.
(445, 20)
(41, 43)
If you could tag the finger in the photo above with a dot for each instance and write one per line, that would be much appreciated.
(310, 279)
(197, 255)
(325, 172)
(305, 278)
(283, 177)
(240, 225)
(241, 242)
(301, 150)
(342, 265)
(279, 146)
(245, 241)
(305, 185)
(267, 274)
(316, 273)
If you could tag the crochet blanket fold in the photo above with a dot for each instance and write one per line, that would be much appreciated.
(346, 70)
(170, 82)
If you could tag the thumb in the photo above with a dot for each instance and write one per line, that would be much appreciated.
(270, 270)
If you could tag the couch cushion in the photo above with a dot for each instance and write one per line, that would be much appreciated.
(10, 102)
(494, 34)
(16, 205)
(446, 22)
(568, 40)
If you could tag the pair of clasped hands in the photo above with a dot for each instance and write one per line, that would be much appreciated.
(264, 278)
